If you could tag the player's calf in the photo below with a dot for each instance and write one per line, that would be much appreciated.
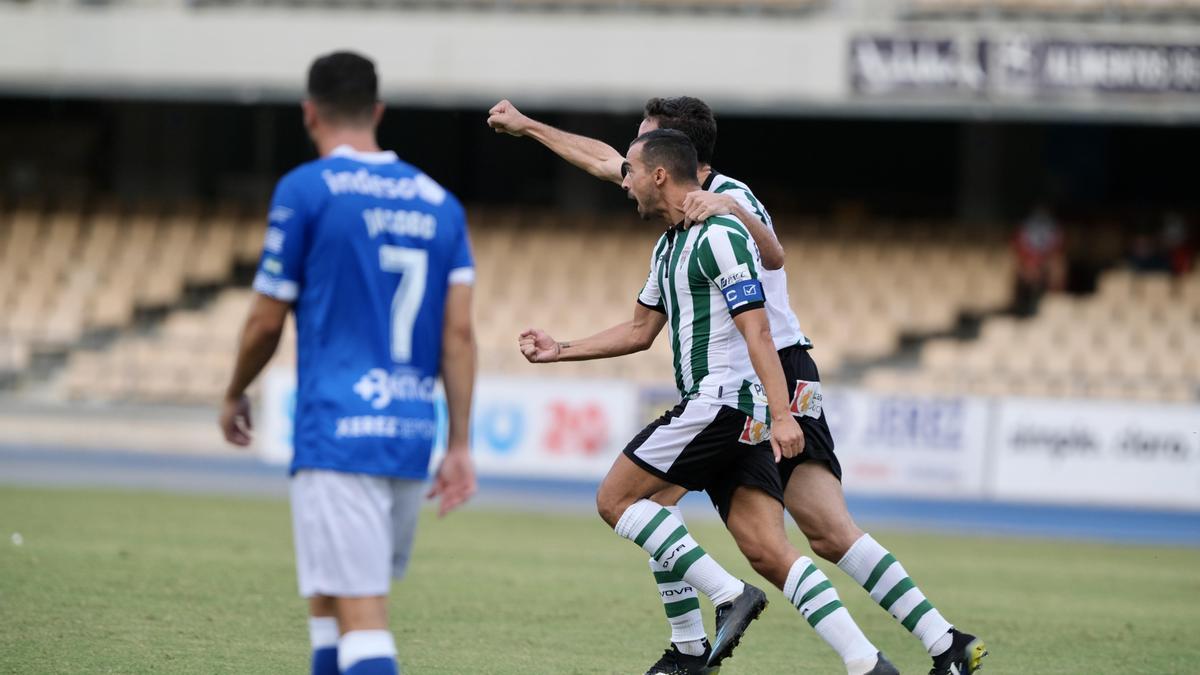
(323, 633)
(367, 652)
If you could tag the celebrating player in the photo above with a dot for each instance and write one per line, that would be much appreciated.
(812, 480)
(373, 256)
(704, 281)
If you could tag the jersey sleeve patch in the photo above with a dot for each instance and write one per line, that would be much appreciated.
(732, 277)
(743, 293)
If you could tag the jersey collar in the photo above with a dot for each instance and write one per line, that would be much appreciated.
(382, 157)
(712, 175)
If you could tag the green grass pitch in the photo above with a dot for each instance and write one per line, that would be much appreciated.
(115, 582)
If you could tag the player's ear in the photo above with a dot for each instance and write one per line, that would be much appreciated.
(377, 113)
(660, 176)
(310, 114)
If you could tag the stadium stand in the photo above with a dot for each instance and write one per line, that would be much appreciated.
(1138, 338)
(856, 292)
(858, 288)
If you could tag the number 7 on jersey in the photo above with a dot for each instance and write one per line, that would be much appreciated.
(411, 264)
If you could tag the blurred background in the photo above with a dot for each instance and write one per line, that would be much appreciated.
(989, 209)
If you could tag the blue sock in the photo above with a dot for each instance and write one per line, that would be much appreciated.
(378, 666)
(324, 661)
(367, 652)
(323, 633)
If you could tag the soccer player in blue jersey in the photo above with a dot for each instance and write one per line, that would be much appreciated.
(373, 257)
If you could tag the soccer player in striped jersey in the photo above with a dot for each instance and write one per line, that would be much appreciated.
(704, 283)
(813, 490)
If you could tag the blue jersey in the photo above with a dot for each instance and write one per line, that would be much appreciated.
(366, 248)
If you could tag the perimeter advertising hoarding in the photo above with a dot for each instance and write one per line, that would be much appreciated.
(523, 427)
(923, 446)
(1097, 452)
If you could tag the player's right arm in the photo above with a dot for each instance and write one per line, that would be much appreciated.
(280, 275)
(595, 157)
(629, 337)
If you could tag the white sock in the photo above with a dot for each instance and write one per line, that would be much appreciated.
(809, 590)
(360, 645)
(681, 604)
(884, 578)
(942, 644)
(666, 539)
(322, 632)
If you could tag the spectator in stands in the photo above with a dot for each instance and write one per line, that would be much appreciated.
(1146, 254)
(1179, 246)
(1041, 262)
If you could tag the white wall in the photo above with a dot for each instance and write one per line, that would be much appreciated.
(614, 61)
(603, 61)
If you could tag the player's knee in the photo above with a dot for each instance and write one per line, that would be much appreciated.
(610, 505)
(769, 559)
(832, 543)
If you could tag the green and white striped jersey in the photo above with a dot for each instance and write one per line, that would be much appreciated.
(785, 327)
(701, 277)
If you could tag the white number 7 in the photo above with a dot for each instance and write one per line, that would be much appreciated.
(411, 264)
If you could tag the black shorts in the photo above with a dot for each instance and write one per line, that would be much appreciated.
(699, 446)
(804, 383)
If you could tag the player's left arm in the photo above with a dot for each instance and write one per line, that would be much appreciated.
(786, 437)
(700, 205)
(726, 260)
(257, 344)
(455, 481)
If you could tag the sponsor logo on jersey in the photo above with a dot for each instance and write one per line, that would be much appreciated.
(275, 237)
(280, 214)
(807, 399)
(379, 387)
(363, 182)
(384, 426)
(739, 273)
(754, 432)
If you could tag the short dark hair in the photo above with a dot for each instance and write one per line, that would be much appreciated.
(689, 115)
(344, 86)
(670, 149)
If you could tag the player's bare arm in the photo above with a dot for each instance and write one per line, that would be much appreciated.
(629, 337)
(595, 157)
(454, 481)
(259, 339)
(700, 205)
(787, 440)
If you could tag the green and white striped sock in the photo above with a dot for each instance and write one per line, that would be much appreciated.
(666, 539)
(809, 590)
(679, 600)
(888, 584)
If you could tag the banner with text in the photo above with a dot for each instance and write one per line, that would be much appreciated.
(535, 428)
(909, 445)
(1097, 452)
(1020, 66)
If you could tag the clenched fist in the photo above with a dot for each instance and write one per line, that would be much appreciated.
(506, 119)
(538, 347)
